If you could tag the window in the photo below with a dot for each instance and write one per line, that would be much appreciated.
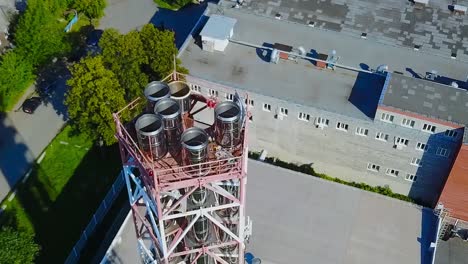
(392, 172)
(229, 97)
(407, 122)
(442, 152)
(451, 133)
(421, 146)
(416, 162)
(429, 128)
(373, 167)
(284, 111)
(322, 122)
(267, 107)
(213, 93)
(401, 141)
(250, 119)
(196, 88)
(411, 177)
(381, 136)
(249, 102)
(342, 126)
(362, 131)
(387, 117)
(303, 117)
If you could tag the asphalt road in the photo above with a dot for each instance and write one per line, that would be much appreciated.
(298, 218)
(25, 136)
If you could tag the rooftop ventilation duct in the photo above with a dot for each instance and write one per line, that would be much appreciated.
(156, 91)
(180, 92)
(150, 135)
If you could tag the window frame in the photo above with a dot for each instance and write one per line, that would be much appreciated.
(373, 167)
(358, 131)
(425, 147)
(266, 107)
(386, 117)
(392, 172)
(342, 126)
(303, 116)
(411, 122)
(428, 128)
(385, 139)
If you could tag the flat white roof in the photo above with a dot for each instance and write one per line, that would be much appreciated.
(218, 27)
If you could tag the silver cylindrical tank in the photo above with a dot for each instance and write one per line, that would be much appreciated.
(156, 91)
(169, 110)
(150, 134)
(198, 197)
(180, 91)
(195, 146)
(227, 124)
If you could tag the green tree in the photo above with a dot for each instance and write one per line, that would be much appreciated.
(125, 56)
(160, 49)
(15, 74)
(94, 95)
(39, 36)
(17, 247)
(93, 9)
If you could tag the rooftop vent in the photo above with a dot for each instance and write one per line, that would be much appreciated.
(278, 16)
(417, 47)
(311, 24)
(364, 35)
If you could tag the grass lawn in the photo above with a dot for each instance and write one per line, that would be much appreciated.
(172, 4)
(62, 193)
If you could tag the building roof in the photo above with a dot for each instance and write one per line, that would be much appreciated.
(218, 27)
(427, 98)
(455, 192)
(392, 22)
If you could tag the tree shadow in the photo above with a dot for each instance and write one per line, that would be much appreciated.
(60, 218)
(366, 92)
(15, 156)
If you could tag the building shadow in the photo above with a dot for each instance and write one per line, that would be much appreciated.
(182, 22)
(428, 234)
(15, 156)
(366, 92)
(435, 167)
(264, 54)
(449, 81)
(414, 74)
(313, 54)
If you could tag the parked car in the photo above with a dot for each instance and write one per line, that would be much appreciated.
(30, 105)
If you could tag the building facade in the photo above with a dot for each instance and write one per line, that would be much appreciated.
(411, 155)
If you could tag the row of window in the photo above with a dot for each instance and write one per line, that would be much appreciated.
(391, 172)
(406, 122)
(324, 122)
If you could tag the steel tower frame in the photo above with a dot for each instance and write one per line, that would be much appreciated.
(162, 227)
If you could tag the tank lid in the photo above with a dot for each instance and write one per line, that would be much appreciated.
(194, 138)
(155, 91)
(227, 111)
(179, 90)
(149, 125)
(167, 108)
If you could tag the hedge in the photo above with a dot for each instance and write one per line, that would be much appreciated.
(307, 169)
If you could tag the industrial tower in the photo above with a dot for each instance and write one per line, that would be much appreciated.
(185, 177)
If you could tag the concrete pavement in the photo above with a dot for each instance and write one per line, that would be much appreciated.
(126, 15)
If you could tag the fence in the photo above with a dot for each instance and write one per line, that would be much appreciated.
(102, 210)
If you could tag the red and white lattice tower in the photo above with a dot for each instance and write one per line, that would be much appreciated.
(186, 178)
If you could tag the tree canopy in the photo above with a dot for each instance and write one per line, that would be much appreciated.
(91, 8)
(17, 247)
(15, 73)
(94, 95)
(125, 56)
